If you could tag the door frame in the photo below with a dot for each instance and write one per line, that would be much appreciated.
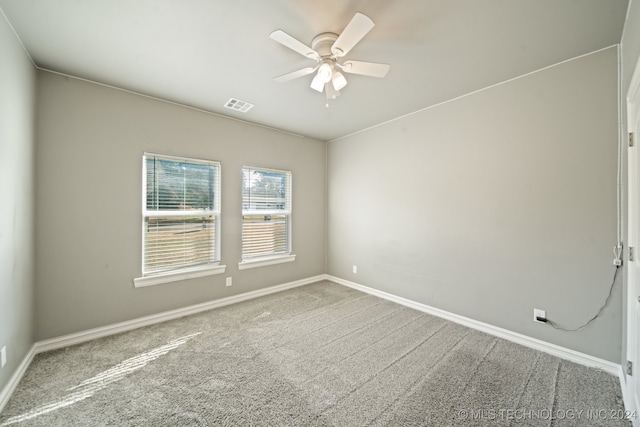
(632, 400)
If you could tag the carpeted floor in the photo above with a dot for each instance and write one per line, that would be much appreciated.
(318, 355)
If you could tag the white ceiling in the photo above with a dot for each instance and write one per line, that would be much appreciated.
(202, 52)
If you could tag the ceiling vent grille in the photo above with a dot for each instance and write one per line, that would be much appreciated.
(236, 104)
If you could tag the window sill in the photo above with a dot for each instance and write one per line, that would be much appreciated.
(264, 261)
(176, 276)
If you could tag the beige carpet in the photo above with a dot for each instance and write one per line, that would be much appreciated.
(318, 355)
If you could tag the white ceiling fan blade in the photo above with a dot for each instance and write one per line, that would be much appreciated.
(355, 30)
(293, 44)
(372, 69)
(295, 74)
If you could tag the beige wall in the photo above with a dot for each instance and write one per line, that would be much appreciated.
(630, 43)
(17, 91)
(491, 205)
(89, 158)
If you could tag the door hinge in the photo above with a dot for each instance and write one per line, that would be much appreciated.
(631, 253)
(630, 139)
(629, 367)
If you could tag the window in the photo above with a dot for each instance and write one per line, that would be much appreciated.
(181, 216)
(266, 217)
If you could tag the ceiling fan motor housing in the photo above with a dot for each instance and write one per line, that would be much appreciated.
(322, 44)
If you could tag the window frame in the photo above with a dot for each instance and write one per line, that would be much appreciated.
(185, 272)
(269, 258)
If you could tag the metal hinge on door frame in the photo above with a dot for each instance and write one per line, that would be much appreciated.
(629, 367)
(631, 253)
(630, 139)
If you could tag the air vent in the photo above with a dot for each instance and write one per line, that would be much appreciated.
(236, 104)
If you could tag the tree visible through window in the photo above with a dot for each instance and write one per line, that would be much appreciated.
(181, 213)
(266, 212)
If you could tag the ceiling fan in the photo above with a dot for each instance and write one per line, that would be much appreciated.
(328, 49)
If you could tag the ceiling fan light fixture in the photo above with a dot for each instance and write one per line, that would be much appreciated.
(325, 72)
(338, 80)
(317, 83)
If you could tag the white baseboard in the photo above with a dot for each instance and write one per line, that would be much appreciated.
(536, 344)
(116, 328)
(91, 334)
(15, 379)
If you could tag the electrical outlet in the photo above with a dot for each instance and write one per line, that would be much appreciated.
(3, 356)
(355, 269)
(229, 281)
(539, 313)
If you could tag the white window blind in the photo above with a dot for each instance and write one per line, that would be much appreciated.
(181, 210)
(266, 212)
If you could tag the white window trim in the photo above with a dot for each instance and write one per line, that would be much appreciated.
(265, 260)
(184, 273)
(175, 276)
